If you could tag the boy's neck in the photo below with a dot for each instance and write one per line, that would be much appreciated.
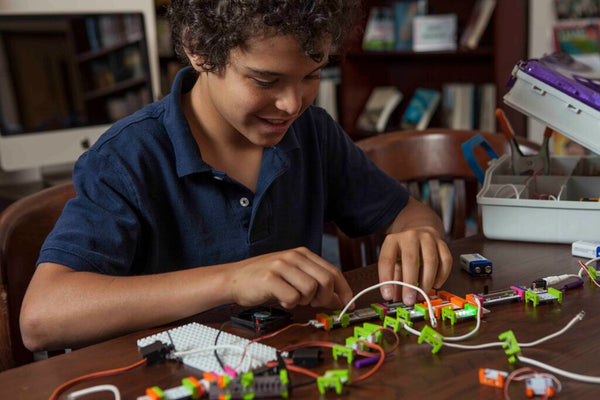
(225, 151)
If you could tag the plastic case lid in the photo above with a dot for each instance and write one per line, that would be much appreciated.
(560, 92)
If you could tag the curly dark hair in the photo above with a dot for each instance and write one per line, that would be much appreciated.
(212, 28)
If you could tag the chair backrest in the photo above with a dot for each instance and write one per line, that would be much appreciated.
(24, 226)
(434, 156)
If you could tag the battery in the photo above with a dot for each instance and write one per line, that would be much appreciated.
(585, 248)
(476, 264)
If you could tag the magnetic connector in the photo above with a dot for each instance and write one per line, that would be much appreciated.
(307, 357)
(156, 352)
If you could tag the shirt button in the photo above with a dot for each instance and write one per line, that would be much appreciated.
(244, 202)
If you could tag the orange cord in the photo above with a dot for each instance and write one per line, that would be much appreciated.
(376, 366)
(267, 336)
(107, 372)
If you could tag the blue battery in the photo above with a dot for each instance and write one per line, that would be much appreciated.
(476, 264)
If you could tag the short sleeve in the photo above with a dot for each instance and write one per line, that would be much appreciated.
(362, 199)
(98, 229)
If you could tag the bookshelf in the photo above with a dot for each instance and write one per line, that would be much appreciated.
(109, 52)
(168, 61)
(502, 45)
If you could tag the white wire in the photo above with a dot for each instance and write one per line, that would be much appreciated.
(398, 283)
(212, 348)
(505, 185)
(588, 264)
(558, 371)
(575, 319)
(474, 331)
(453, 338)
(94, 389)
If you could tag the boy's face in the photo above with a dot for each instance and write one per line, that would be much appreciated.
(265, 87)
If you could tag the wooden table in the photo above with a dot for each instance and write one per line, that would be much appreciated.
(414, 372)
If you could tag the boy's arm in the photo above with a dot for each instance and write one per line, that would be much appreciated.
(67, 308)
(414, 252)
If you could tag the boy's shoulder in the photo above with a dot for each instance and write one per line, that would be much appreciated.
(140, 126)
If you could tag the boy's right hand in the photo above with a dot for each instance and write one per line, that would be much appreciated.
(291, 277)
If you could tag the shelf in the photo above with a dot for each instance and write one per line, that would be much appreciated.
(93, 54)
(483, 52)
(502, 45)
(117, 87)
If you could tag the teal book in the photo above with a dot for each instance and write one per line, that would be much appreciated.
(404, 12)
(420, 109)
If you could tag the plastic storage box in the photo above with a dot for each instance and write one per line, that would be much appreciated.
(562, 206)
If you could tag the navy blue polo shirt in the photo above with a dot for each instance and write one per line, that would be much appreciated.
(147, 203)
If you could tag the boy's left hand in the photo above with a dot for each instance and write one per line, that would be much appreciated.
(418, 256)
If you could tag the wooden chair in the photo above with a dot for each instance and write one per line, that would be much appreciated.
(434, 156)
(24, 226)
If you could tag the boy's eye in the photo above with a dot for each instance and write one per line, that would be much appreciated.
(313, 77)
(263, 83)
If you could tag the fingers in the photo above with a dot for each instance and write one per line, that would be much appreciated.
(445, 267)
(297, 277)
(387, 268)
(340, 292)
(424, 261)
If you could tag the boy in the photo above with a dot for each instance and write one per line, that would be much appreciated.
(217, 193)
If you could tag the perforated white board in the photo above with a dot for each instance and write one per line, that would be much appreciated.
(197, 336)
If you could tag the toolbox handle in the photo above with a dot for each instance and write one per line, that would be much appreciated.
(467, 148)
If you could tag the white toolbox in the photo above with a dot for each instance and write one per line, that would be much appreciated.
(561, 206)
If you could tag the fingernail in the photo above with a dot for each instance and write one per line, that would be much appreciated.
(387, 293)
(409, 299)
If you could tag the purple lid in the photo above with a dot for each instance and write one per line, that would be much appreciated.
(567, 75)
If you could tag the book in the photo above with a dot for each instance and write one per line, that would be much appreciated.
(486, 99)
(463, 114)
(404, 12)
(378, 109)
(434, 32)
(327, 94)
(478, 21)
(91, 27)
(469, 106)
(110, 28)
(574, 9)
(580, 39)
(420, 109)
(380, 29)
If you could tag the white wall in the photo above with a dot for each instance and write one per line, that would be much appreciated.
(541, 19)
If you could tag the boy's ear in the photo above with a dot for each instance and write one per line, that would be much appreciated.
(195, 60)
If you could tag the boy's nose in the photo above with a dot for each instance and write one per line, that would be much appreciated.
(290, 101)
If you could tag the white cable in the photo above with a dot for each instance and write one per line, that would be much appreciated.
(454, 338)
(562, 189)
(588, 262)
(94, 389)
(505, 185)
(398, 283)
(212, 348)
(575, 319)
(474, 331)
(558, 371)
(556, 279)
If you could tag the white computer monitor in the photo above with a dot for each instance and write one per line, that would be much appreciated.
(68, 70)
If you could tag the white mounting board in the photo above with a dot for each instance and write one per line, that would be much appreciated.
(197, 336)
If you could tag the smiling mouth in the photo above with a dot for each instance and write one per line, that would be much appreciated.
(276, 121)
